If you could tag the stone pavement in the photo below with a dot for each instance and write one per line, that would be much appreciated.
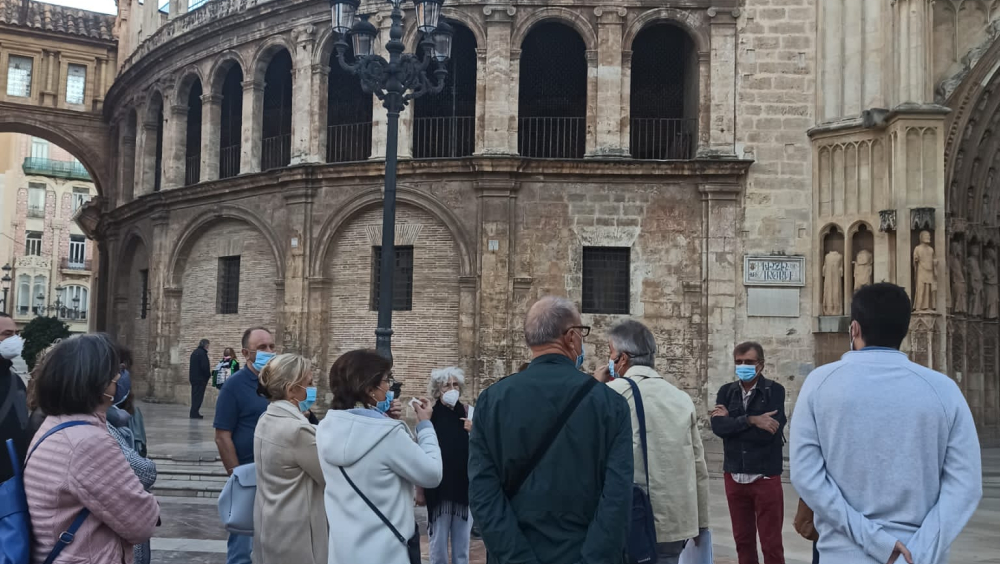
(186, 455)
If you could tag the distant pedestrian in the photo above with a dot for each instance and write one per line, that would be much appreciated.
(365, 454)
(237, 411)
(749, 415)
(13, 401)
(136, 423)
(289, 516)
(226, 368)
(200, 373)
(567, 501)
(82, 467)
(884, 450)
(678, 474)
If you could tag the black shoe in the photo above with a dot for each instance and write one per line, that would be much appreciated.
(196, 416)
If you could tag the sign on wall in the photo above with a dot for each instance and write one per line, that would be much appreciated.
(774, 271)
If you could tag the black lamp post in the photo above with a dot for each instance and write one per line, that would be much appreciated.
(6, 280)
(396, 81)
(76, 307)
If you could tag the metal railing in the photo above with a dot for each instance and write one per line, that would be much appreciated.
(59, 169)
(276, 152)
(192, 169)
(662, 138)
(348, 142)
(67, 263)
(70, 314)
(229, 161)
(444, 137)
(36, 211)
(552, 137)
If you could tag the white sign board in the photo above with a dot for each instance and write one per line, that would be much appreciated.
(774, 271)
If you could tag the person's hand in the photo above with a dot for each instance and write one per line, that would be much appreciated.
(423, 409)
(900, 550)
(602, 374)
(396, 410)
(419, 499)
(766, 421)
(468, 424)
(720, 411)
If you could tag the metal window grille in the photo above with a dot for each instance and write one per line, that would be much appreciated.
(552, 105)
(19, 76)
(276, 141)
(402, 279)
(143, 293)
(192, 153)
(33, 243)
(606, 275)
(158, 168)
(228, 293)
(76, 84)
(232, 123)
(348, 116)
(664, 94)
(444, 123)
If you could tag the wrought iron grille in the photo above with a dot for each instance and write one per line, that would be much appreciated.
(228, 289)
(192, 157)
(443, 137)
(552, 105)
(348, 142)
(19, 76)
(158, 168)
(606, 277)
(444, 123)
(348, 116)
(664, 94)
(276, 142)
(402, 279)
(232, 123)
(143, 293)
(662, 138)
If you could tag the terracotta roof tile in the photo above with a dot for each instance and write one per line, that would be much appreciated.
(59, 19)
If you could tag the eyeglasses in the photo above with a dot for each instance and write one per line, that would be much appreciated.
(745, 362)
(583, 329)
(388, 379)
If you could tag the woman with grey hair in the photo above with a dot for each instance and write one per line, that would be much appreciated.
(448, 513)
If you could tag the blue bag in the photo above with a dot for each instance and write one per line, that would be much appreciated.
(15, 523)
(641, 545)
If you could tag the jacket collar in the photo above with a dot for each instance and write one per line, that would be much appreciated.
(553, 359)
(282, 408)
(641, 372)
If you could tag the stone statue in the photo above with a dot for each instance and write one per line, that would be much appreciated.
(833, 284)
(924, 274)
(862, 269)
(959, 294)
(975, 282)
(990, 296)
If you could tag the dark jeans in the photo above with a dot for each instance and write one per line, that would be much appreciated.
(757, 508)
(197, 397)
(815, 554)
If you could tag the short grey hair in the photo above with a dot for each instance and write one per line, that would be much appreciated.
(203, 343)
(635, 340)
(441, 376)
(548, 320)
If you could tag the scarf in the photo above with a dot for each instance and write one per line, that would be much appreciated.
(452, 496)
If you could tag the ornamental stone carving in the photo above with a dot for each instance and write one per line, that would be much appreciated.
(922, 218)
(863, 265)
(990, 290)
(887, 221)
(959, 292)
(975, 282)
(924, 274)
(833, 283)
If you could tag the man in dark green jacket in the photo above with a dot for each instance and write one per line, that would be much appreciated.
(574, 506)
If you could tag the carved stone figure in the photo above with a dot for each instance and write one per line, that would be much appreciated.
(863, 269)
(975, 282)
(959, 294)
(924, 274)
(833, 284)
(990, 283)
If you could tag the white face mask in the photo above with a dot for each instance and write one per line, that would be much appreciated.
(450, 398)
(11, 347)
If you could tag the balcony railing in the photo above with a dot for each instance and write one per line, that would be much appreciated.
(276, 151)
(229, 161)
(69, 264)
(57, 169)
(192, 169)
(348, 142)
(552, 137)
(663, 139)
(443, 137)
(36, 211)
(69, 314)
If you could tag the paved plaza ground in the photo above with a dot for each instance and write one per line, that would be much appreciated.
(191, 532)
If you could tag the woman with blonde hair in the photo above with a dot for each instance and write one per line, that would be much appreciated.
(289, 517)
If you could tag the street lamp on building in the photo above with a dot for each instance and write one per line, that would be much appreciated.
(396, 81)
(6, 280)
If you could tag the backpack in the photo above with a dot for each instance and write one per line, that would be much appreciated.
(641, 543)
(15, 523)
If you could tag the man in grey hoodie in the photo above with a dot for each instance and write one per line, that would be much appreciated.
(884, 450)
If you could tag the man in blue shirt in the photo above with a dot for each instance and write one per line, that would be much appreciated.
(236, 413)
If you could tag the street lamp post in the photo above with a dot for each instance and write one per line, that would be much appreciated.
(6, 280)
(396, 81)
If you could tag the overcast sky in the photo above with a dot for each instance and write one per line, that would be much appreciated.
(106, 6)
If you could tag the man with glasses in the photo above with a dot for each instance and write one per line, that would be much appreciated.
(749, 415)
(550, 454)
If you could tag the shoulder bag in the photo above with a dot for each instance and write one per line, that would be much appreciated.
(237, 499)
(641, 545)
(412, 545)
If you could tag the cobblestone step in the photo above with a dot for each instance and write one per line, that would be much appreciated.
(187, 488)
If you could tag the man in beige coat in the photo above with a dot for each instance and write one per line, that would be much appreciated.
(678, 475)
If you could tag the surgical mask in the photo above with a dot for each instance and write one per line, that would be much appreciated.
(746, 372)
(123, 390)
(310, 398)
(450, 398)
(11, 347)
(386, 404)
(260, 359)
(579, 359)
(112, 397)
(611, 369)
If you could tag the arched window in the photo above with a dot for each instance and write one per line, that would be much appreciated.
(39, 294)
(664, 99)
(348, 115)
(276, 141)
(231, 130)
(444, 124)
(192, 157)
(552, 96)
(74, 302)
(24, 294)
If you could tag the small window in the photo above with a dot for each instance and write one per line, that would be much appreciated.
(19, 76)
(606, 279)
(36, 199)
(73, 303)
(144, 293)
(76, 83)
(228, 292)
(38, 294)
(39, 148)
(33, 243)
(77, 251)
(402, 279)
(23, 294)
(81, 195)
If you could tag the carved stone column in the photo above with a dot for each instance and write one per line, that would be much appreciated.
(211, 132)
(913, 21)
(304, 117)
(500, 97)
(318, 137)
(591, 141)
(126, 163)
(253, 126)
(175, 146)
(609, 83)
(295, 230)
(722, 139)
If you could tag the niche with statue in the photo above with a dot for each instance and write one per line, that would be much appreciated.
(863, 263)
(833, 272)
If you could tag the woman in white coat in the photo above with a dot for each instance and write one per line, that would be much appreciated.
(289, 518)
(359, 442)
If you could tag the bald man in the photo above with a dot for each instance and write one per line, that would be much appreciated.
(550, 455)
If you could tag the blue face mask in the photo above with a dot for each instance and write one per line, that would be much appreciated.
(611, 369)
(746, 373)
(310, 398)
(384, 405)
(123, 389)
(260, 359)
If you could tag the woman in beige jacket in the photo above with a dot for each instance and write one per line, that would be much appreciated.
(289, 517)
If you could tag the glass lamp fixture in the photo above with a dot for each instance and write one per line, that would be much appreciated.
(442, 37)
(428, 13)
(344, 12)
(363, 37)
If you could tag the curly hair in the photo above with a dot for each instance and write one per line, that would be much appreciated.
(441, 376)
(354, 374)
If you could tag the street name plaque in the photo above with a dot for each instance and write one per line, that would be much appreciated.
(787, 271)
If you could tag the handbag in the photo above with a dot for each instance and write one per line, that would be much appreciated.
(15, 522)
(412, 545)
(237, 499)
(641, 545)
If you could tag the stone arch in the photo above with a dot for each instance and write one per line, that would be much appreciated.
(327, 233)
(681, 18)
(217, 75)
(130, 327)
(475, 25)
(84, 137)
(265, 52)
(185, 82)
(572, 18)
